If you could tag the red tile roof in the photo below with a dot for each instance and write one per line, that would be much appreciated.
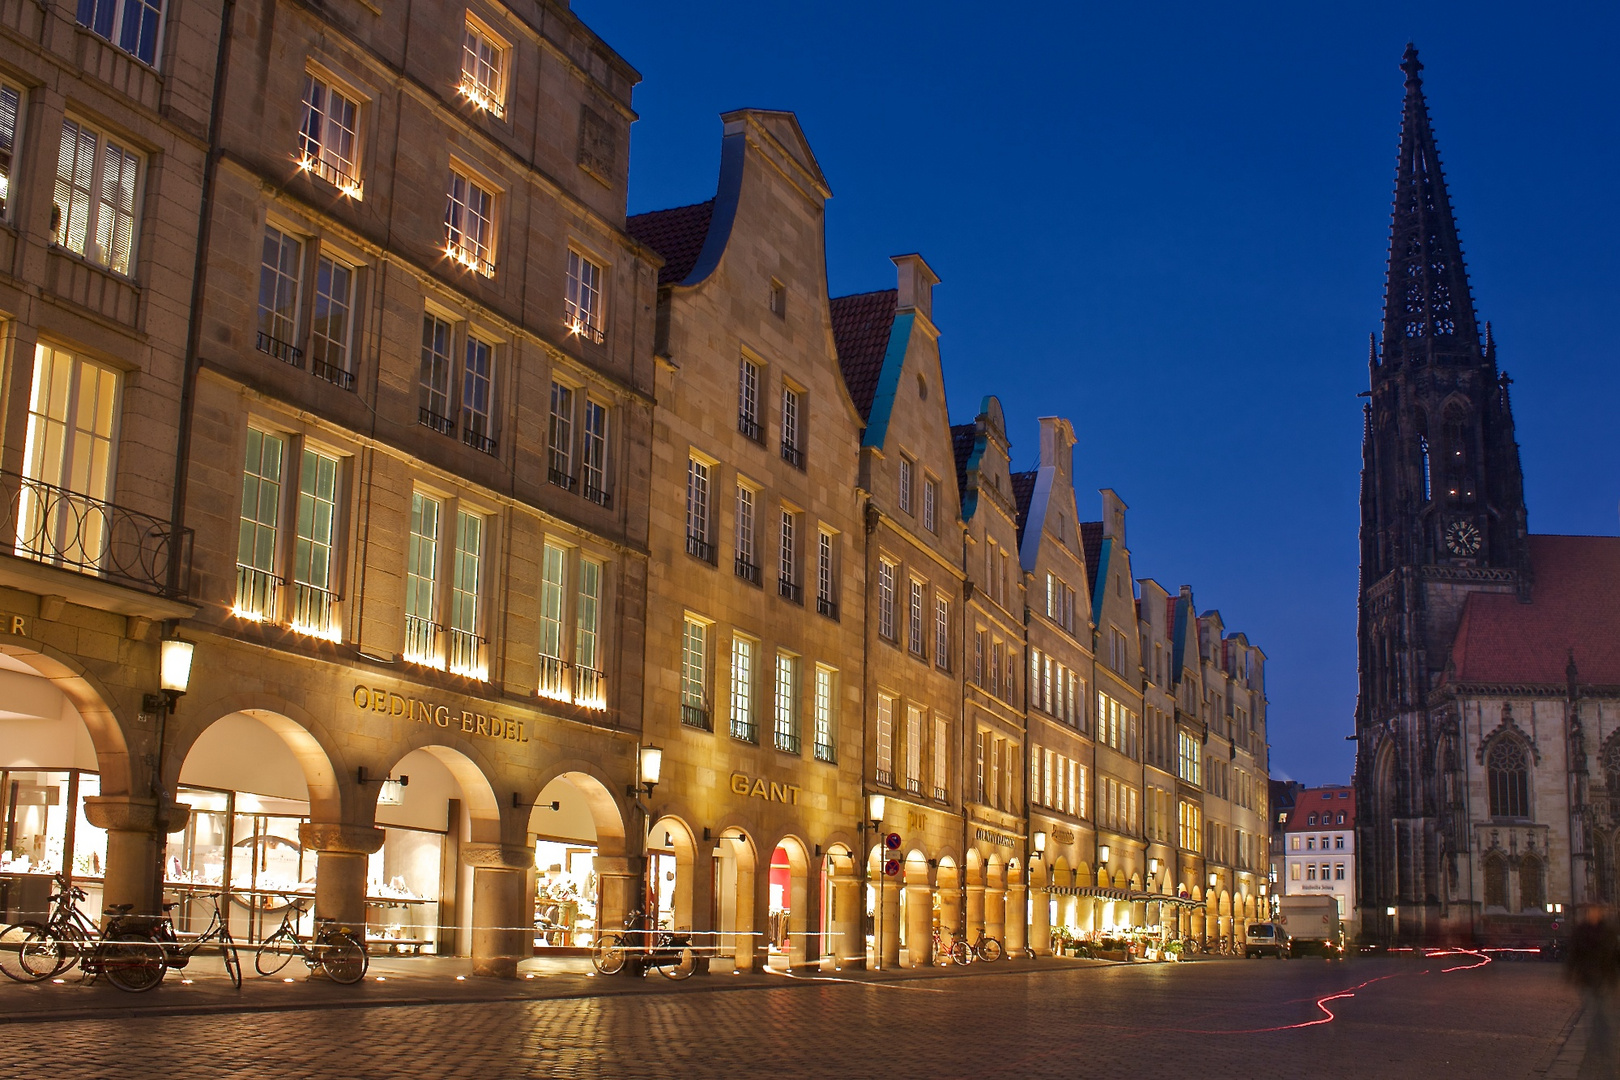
(1091, 537)
(861, 325)
(677, 234)
(963, 438)
(1328, 800)
(1574, 606)
(1023, 489)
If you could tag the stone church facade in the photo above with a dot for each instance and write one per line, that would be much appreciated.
(1489, 657)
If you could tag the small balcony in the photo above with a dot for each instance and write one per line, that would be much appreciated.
(600, 496)
(700, 548)
(914, 785)
(749, 426)
(826, 605)
(342, 378)
(422, 642)
(744, 730)
(789, 589)
(696, 716)
(556, 683)
(792, 455)
(559, 477)
(281, 350)
(590, 687)
(746, 570)
(884, 777)
(314, 611)
(57, 527)
(465, 651)
(430, 419)
(787, 742)
(479, 441)
(940, 795)
(256, 594)
(826, 753)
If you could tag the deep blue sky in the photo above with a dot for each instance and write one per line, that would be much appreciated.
(1169, 223)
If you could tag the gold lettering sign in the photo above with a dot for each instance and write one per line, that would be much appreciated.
(916, 822)
(419, 711)
(14, 624)
(757, 788)
(1063, 836)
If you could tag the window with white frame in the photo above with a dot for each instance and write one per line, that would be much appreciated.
(906, 468)
(942, 632)
(886, 598)
(10, 116)
(94, 197)
(466, 644)
(792, 427)
(134, 26)
(259, 530)
(484, 62)
(788, 581)
(590, 682)
(314, 573)
(332, 322)
(916, 717)
(914, 619)
(422, 583)
(469, 223)
(930, 504)
(478, 396)
(582, 301)
(787, 703)
(595, 457)
(280, 268)
(826, 713)
(942, 756)
(742, 689)
(979, 744)
(433, 408)
(69, 460)
(746, 562)
(328, 137)
(748, 386)
(698, 521)
(826, 574)
(560, 437)
(694, 674)
(884, 726)
(555, 683)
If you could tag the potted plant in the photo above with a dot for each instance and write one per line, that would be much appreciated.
(1171, 950)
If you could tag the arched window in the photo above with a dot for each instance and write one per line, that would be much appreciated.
(1532, 884)
(1496, 881)
(1508, 766)
(1458, 447)
(1611, 768)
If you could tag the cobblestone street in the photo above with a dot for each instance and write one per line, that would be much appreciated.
(1390, 1019)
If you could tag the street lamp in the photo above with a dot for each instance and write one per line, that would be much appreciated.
(650, 763)
(876, 804)
(1214, 879)
(1102, 854)
(1039, 840)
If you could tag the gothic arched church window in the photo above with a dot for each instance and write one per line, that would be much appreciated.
(1496, 881)
(1508, 768)
(1532, 884)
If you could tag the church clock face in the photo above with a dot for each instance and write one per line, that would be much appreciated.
(1462, 537)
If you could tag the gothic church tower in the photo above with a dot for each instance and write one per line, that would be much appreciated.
(1442, 515)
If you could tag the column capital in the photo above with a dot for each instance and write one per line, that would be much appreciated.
(497, 856)
(343, 839)
(128, 813)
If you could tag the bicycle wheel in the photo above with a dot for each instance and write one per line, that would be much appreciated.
(990, 949)
(679, 964)
(233, 962)
(275, 953)
(607, 955)
(342, 958)
(28, 952)
(960, 952)
(132, 964)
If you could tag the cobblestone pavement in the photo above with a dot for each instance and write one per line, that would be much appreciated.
(1391, 1019)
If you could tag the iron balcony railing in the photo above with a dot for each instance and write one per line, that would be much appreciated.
(884, 777)
(58, 527)
(479, 441)
(939, 794)
(466, 653)
(428, 418)
(701, 548)
(749, 426)
(314, 609)
(422, 641)
(560, 477)
(788, 588)
(695, 716)
(744, 729)
(256, 593)
(827, 606)
(281, 350)
(554, 680)
(787, 741)
(337, 376)
(600, 496)
(792, 455)
(746, 570)
(914, 785)
(590, 687)
(826, 753)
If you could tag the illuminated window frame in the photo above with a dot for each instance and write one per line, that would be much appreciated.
(485, 61)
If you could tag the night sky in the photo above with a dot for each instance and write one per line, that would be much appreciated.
(1169, 223)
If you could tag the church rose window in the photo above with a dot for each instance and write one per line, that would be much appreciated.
(1508, 766)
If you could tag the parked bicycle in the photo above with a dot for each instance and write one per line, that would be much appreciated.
(670, 952)
(985, 947)
(336, 950)
(946, 950)
(178, 953)
(126, 950)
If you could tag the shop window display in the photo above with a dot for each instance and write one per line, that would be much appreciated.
(44, 834)
(402, 892)
(246, 845)
(565, 894)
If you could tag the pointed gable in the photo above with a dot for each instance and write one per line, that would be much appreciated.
(862, 325)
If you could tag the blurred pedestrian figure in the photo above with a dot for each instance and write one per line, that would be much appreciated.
(1594, 966)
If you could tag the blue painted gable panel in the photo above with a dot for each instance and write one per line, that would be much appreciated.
(1178, 639)
(894, 359)
(1099, 580)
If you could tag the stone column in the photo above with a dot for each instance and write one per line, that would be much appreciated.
(137, 831)
(919, 924)
(1040, 925)
(804, 933)
(995, 913)
(848, 945)
(950, 912)
(501, 917)
(976, 914)
(889, 925)
(1016, 913)
(340, 867)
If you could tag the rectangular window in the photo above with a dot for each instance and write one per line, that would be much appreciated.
(826, 713)
(469, 224)
(930, 504)
(582, 303)
(1338, 841)
(915, 719)
(328, 140)
(942, 757)
(914, 620)
(257, 538)
(94, 198)
(995, 668)
(1293, 872)
(132, 25)
(279, 270)
(742, 690)
(422, 583)
(483, 68)
(1047, 686)
(694, 674)
(478, 396)
(595, 457)
(905, 483)
(748, 398)
(942, 632)
(788, 572)
(466, 646)
(10, 114)
(433, 408)
(697, 510)
(886, 586)
(1048, 791)
(826, 576)
(1084, 776)
(885, 740)
(978, 658)
(1035, 775)
(1310, 871)
(590, 685)
(995, 772)
(555, 683)
(332, 323)
(747, 558)
(314, 595)
(787, 703)
(978, 766)
(792, 435)
(560, 437)
(1338, 871)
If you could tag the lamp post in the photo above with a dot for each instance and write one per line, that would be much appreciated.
(1037, 842)
(174, 679)
(875, 806)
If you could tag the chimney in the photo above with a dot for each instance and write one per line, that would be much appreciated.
(1057, 444)
(917, 283)
(1113, 516)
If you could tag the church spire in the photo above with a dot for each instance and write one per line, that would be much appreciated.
(1428, 307)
